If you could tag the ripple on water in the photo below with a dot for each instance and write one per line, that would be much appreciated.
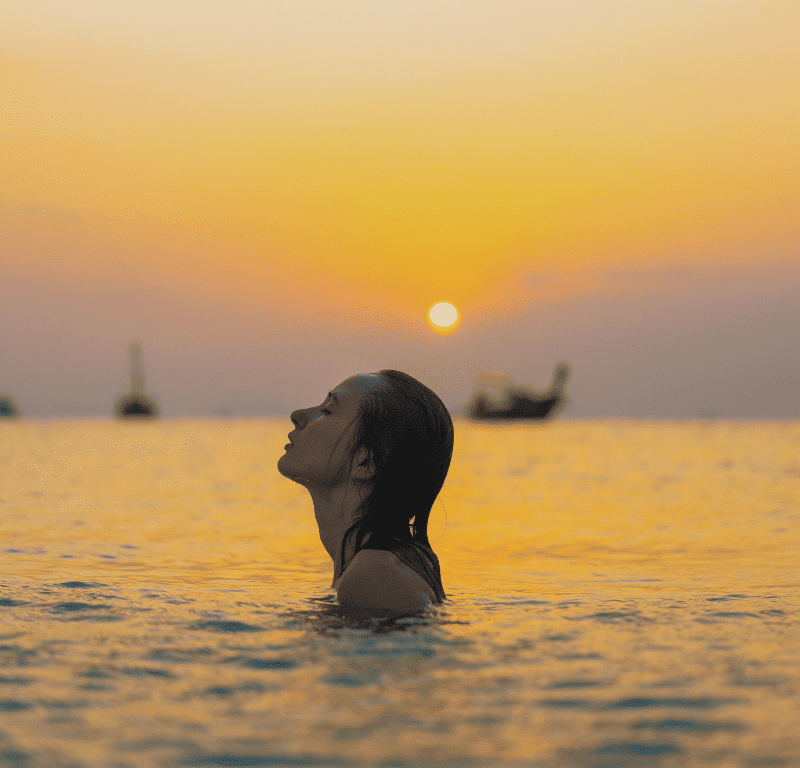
(232, 690)
(60, 704)
(672, 703)
(614, 616)
(255, 761)
(734, 596)
(147, 672)
(638, 703)
(755, 682)
(621, 753)
(95, 674)
(349, 681)
(17, 656)
(179, 655)
(688, 726)
(70, 607)
(148, 745)
(225, 626)
(269, 663)
(15, 680)
(558, 638)
(74, 611)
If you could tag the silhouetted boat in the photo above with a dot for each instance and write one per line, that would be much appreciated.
(136, 404)
(8, 408)
(518, 403)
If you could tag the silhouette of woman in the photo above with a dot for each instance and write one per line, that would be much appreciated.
(374, 457)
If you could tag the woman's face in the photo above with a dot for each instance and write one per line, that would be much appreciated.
(319, 450)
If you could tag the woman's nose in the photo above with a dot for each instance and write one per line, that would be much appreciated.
(297, 418)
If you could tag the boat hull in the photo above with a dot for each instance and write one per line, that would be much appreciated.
(8, 408)
(136, 407)
(526, 409)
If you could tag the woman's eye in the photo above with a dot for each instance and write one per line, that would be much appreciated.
(325, 410)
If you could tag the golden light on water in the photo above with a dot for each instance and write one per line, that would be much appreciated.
(624, 557)
(443, 317)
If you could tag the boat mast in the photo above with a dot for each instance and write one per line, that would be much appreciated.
(137, 368)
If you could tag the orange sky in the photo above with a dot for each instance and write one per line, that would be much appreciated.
(394, 154)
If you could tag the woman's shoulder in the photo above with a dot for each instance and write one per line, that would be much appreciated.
(376, 579)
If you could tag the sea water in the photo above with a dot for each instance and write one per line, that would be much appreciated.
(620, 594)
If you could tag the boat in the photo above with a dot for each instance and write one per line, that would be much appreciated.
(515, 402)
(8, 408)
(136, 404)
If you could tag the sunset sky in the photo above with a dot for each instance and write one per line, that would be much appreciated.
(270, 195)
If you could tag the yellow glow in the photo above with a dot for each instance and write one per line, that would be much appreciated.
(444, 317)
(357, 144)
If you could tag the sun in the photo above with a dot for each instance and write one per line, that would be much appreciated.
(443, 317)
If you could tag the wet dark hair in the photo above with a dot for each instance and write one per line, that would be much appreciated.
(409, 435)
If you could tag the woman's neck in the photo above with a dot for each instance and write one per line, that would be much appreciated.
(336, 509)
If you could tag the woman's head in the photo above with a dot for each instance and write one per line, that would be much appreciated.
(390, 434)
(407, 433)
(320, 453)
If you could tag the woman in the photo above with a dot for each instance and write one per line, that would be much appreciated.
(374, 457)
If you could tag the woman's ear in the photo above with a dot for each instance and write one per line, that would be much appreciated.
(363, 467)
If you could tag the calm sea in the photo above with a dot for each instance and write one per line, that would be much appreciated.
(621, 594)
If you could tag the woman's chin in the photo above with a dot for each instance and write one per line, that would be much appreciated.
(282, 465)
(286, 471)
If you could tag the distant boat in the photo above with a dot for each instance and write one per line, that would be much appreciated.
(136, 404)
(8, 408)
(516, 403)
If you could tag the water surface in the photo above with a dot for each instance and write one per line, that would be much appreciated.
(621, 594)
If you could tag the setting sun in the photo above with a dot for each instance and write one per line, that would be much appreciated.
(443, 317)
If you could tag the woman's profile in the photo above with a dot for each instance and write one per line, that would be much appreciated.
(374, 457)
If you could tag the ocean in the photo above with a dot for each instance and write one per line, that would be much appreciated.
(621, 593)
